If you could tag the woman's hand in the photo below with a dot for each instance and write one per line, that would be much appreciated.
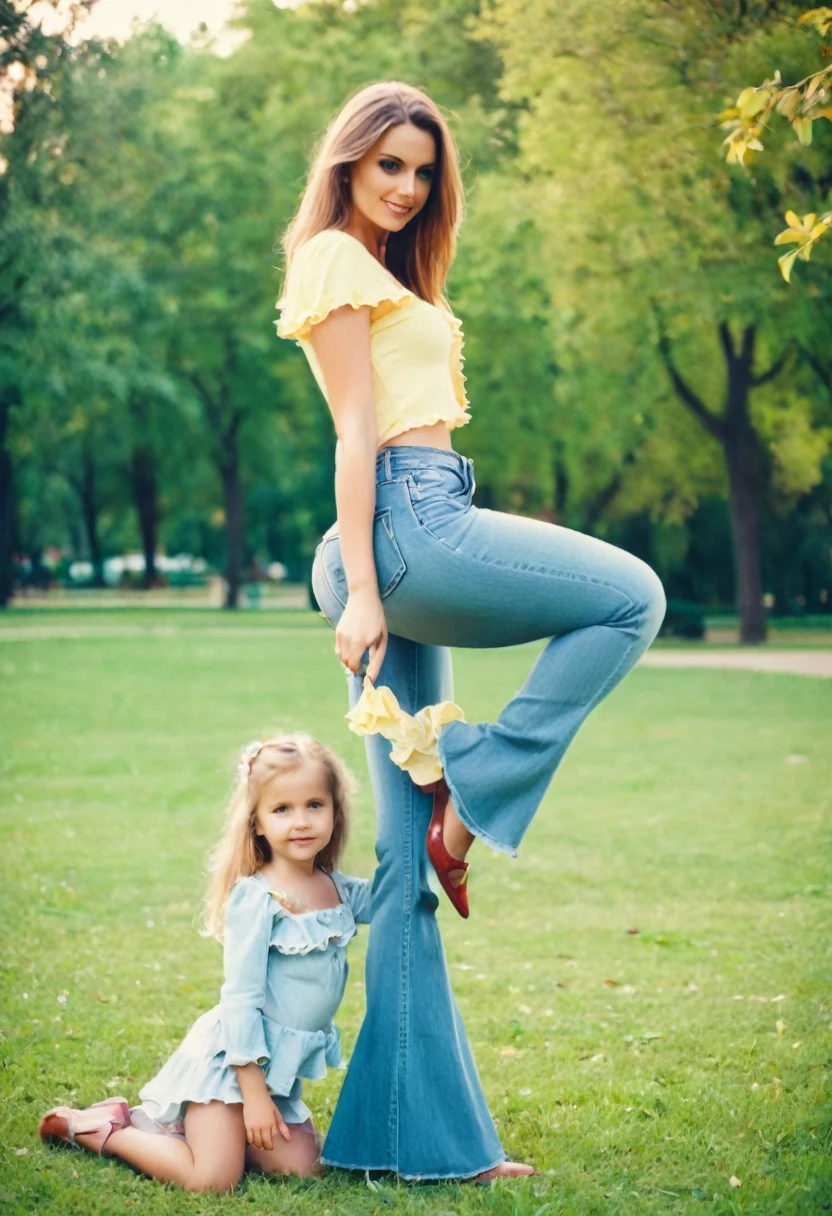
(262, 1120)
(362, 626)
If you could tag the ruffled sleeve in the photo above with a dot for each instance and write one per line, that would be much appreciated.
(248, 928)
(330, 270)
(356, 894)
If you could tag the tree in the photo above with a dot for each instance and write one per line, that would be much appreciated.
(646, 235)
(802, 103)
(29, 62)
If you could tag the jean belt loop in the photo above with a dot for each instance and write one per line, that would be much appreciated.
(388, 468)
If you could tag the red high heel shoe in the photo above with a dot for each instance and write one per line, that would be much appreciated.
(438, 855)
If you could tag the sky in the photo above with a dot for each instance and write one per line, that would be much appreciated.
(114, 18)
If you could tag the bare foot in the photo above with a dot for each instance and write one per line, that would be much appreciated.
(506, 1169)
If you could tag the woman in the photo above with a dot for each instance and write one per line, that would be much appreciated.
(411, 568)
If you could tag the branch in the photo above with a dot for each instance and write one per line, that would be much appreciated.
(713, 425)
(207, 398)
(775, 369)
(727, 342)
(605, 496)
(824, 374)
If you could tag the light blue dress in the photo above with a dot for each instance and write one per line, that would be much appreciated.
(285, 975)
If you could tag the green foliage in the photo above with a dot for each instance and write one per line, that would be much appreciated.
(146, 186)
(652, 255)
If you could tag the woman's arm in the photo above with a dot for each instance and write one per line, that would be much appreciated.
(342, 345)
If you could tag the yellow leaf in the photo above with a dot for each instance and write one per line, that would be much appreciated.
(803, 130)
(791, 234)
(785, 263)
(751, 101)
(788, 102)
(820, 18)
(816, 82)
(826, 112)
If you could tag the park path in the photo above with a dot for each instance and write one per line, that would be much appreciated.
(783, 662)
(817, 663)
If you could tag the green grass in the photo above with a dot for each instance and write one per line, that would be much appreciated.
(693, 807)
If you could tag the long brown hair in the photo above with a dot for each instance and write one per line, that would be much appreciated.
(241, 850)
(420, 255)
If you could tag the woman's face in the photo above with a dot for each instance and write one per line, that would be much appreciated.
(391, 182)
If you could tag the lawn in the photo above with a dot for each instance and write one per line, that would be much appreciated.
(647, 988)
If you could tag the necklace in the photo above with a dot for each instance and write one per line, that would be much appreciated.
(290, 902)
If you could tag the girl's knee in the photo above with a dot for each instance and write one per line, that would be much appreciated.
(300, 1157)
(216, 1181)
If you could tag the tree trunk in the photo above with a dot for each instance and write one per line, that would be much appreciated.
(86, 490)
(146, 499)
(734, 431)
(6, 510)
(232, 487)
(745, 530)
(743, 459)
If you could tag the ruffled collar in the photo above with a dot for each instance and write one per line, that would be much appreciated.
(304, 932)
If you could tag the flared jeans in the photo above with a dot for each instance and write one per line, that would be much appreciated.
(452, 574)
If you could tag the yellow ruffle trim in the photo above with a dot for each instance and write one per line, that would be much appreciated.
(457, 360)
(415, 738)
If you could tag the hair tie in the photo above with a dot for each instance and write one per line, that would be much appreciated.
(250, 754)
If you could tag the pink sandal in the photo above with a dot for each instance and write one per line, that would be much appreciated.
(96, 1123)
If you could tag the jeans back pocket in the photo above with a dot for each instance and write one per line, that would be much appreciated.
(329, 579)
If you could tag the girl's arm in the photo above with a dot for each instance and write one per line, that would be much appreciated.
(342, 345)
(260, 1114)
(357, 892)
(249, 915)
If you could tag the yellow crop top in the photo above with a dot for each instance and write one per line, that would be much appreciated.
(415, 347)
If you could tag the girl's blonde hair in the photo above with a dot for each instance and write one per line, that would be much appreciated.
(420, 255)
(241, 850)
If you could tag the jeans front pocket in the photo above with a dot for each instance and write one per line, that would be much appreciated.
(440, 499)
(329, 579)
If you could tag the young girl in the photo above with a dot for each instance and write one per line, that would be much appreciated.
(231, 1092)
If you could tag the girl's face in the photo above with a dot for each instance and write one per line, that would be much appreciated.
(295, 813)
(391, 182)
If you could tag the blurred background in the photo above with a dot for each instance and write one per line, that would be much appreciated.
(636, 365)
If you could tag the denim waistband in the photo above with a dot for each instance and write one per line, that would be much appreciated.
(396, 461)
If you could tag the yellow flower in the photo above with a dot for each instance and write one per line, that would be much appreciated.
(377, 712)
(415, 738)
